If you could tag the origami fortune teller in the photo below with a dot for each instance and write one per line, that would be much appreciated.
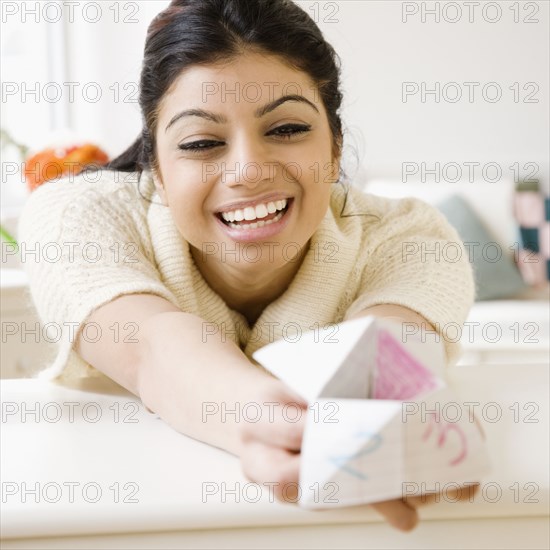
(381, 423)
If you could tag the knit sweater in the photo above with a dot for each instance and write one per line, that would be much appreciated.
(109, 235)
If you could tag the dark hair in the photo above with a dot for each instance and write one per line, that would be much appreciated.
(192, 32)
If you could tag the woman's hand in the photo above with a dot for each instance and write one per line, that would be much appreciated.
(270, 455)
(270, 448)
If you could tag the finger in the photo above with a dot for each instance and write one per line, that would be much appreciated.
(281, 429)
(290, 396)
(274, 467)
(398, 514)
(282, 393)
(421, 500)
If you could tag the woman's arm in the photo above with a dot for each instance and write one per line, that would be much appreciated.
(175, 372)
(396, 313)
(180, 375)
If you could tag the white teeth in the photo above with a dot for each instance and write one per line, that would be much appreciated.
(252, 213)
(249, 213)
(260, 223)
(261, 211)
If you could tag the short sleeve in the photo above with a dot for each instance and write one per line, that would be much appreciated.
(82, 245)
(417, 260)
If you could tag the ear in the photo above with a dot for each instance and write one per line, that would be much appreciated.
(160, 188)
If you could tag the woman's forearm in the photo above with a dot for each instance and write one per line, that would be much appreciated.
(192, 380)
(198, 384)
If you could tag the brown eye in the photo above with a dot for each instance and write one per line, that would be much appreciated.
(288, 130)
(200, 145)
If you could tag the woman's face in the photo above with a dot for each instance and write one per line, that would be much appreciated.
(245, 157)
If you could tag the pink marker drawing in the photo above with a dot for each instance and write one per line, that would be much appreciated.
(443, 429)
(398, 374)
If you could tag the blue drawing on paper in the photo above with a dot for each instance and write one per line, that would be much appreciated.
(343, 461)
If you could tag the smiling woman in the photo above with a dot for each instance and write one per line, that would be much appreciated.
(231, 212)
(233, 173)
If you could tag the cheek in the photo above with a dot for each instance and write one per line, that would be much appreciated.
(315, 202)
(317, 164)
(186, 203)
(184, 191)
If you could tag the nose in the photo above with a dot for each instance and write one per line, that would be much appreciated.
(249, 163)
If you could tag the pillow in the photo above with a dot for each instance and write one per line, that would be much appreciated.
(496, 274)
(532, 213)
(498, 220)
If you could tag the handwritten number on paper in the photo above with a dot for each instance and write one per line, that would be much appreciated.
(442, 429)
(374, 442)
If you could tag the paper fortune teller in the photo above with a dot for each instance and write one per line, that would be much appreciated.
(382, 422)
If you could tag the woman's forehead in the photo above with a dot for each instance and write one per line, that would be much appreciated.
(250, 77)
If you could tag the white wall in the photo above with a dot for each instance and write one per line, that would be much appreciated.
(107, 56)
(24, 68)
(379, 52)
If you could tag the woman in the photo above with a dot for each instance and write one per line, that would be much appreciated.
(228, 221)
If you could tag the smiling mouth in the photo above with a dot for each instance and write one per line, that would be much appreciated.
(271, 218)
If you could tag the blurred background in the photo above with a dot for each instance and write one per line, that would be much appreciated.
(78, 69)
(446, 101)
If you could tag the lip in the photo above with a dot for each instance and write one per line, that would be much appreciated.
(252, 202)
(260, 233)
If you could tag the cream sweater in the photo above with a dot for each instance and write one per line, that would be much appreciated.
(113, 237)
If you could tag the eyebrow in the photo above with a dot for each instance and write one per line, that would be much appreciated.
(258, 113)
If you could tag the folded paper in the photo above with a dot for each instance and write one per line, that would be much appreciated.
(382, 422)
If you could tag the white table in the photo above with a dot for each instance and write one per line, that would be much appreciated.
(165, 472)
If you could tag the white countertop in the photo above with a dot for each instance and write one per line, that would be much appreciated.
(166, 470)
